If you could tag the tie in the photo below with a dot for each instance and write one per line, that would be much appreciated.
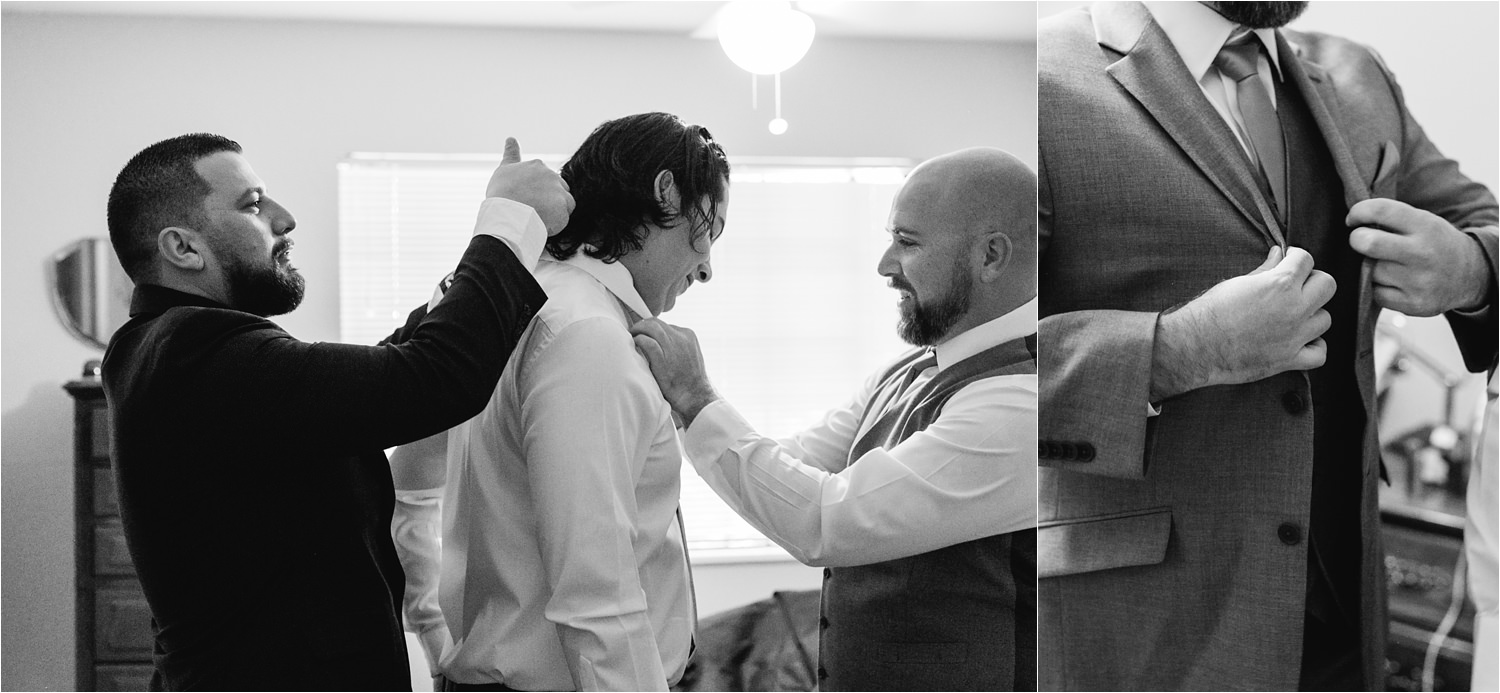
(900, 394)
(1237, 61)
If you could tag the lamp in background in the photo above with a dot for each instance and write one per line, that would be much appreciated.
(765, 38)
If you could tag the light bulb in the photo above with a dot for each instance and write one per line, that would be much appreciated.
(778, 126)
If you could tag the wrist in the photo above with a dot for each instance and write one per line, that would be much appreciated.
(1479, 278)
(695, 403)
(1175, 357)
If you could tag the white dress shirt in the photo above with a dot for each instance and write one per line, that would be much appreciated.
(1197, 33)
(971, 474)
(415, 523)
(563, 562)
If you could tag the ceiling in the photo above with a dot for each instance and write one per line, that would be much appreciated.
(886, 19)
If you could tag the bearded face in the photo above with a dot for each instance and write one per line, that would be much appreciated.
(926, 320)
(1260, 15)
(268, 287)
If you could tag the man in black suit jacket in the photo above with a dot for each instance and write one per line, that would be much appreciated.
(255, 498)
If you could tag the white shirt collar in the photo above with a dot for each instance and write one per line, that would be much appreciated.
(1013, 325)
(1198, 32)
(614, 276)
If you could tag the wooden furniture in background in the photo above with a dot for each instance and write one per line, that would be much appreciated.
(113, 630)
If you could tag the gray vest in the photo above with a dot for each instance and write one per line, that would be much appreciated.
(958, 618)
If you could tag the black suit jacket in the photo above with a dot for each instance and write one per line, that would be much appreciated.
(255, 497)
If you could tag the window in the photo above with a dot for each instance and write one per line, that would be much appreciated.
(795, 319)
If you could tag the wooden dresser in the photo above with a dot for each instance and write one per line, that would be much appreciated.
(113, 628)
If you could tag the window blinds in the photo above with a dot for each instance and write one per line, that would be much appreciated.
(793, 322)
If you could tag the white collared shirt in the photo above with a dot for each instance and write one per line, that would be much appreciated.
(1197, 33)
(563, 562)
(971, 474)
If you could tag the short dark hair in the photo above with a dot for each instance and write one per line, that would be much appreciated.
(159, 187)
(612, 178)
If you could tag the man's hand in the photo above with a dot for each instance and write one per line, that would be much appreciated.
(1245, 328)
(532, 183)
(1423, 266)
(677, 363)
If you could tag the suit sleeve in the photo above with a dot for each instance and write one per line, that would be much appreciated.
(1433, 182)
(1095, 376)
(343, 398)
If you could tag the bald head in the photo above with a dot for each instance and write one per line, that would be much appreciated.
(978, 191)
(964, 247)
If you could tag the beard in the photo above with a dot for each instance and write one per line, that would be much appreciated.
(266, 289)
(926, 325)
(1260, 15)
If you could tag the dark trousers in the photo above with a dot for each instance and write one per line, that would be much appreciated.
(1331, 658)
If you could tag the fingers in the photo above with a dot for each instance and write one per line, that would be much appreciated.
(1379, 244)
(1310, 356)
(1298, 264)
(1315, 326)
(1386, 214)
(653, 328)
(512, 152)
(1319, 287)
(648, 348)
(1272, 258)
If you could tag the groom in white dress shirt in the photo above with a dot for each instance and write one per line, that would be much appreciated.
(919, 493)
(563, 565)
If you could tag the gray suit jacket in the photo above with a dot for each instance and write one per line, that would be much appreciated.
(1166, 544)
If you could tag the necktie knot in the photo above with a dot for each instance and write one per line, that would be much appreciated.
(1238, 58)
(917, 367)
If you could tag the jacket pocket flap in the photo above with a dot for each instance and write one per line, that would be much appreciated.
(1069, 547)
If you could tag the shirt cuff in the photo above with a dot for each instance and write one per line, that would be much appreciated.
(714, 430)
(515, 224)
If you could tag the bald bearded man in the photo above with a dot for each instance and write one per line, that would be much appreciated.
(919, 494)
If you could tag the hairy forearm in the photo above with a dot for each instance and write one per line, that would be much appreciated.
(1178, 361)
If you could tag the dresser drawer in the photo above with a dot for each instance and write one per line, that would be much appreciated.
(122, 625)
(122, 677)
(111, 555)
(99, 437)
(106, 503)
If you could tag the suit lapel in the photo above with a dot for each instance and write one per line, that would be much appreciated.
(1153, 73)
(1312, 80)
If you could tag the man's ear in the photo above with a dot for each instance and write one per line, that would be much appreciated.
(666, 193)
(995, 253)
(182, 248)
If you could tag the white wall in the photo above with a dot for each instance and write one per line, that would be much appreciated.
(82, 94)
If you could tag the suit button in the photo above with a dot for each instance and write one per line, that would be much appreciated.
(1085, 452)
(1289, 533)
(1054, 450)
(1069, 452)
(827, 573)
(1294, 403)
(1041, 449)
(823, 622)
(822, 674)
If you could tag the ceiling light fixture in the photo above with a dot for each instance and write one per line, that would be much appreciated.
(765, 38)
